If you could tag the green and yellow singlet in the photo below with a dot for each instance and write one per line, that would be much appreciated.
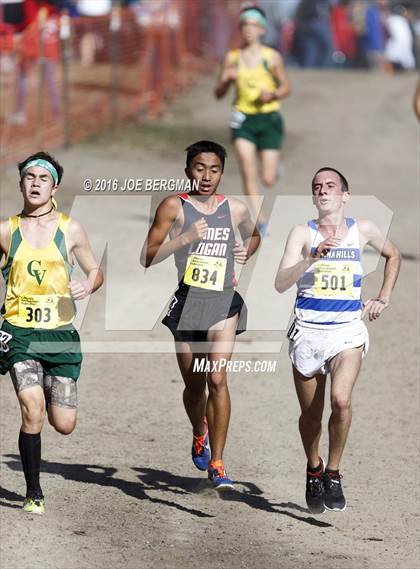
(251, 81)
(37, 293)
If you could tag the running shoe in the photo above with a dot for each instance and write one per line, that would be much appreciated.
(334, 498)
(218, 476)
(200, 451)
(315, 490)
(35, 505)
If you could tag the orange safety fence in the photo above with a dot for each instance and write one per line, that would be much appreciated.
(63, 78)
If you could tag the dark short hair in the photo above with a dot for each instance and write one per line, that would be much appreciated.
(344, 182)
(205, 146)
(257, 8)
(43, 156)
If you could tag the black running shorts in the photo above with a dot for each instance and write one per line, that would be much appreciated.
(192, 311)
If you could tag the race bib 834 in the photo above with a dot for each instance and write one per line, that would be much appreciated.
(205, 272)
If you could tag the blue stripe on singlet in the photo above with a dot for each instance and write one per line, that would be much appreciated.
(334, 323)
(314, 224)
(357, 280)
(326, 305)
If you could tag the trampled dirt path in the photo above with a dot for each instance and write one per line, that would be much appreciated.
(121, 491)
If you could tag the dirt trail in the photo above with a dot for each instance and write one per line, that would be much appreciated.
(121, 491)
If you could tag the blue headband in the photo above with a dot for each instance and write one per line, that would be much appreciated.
(44, 164)
(253, 14)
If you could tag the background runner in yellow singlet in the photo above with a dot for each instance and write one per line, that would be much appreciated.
(260, 84)
(38, 344)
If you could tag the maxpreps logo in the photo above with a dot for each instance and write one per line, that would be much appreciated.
(35, 270)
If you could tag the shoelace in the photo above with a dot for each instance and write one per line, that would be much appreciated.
(334, 483)
(333, 477)
(34, 498)
(219, 468)
(200, 444)
(315, 485)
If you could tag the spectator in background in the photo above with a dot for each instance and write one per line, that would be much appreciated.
(399, 47)
(29, 51)
(417, 100)
(221, 16)
(374, 44)
(413, 15)
(312, 46)
(33, 7)
(11, 22)
(278, 14)
(70, 6)
(344, 33)
(273, 11)
(91, 42)
(95, 8)
(12, 12)
(358, 18)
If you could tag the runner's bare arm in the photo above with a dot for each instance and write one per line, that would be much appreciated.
(417, 100)
(373, 236)
(4, 239)
(227, 75)
(280, 76)
(293, 264)
(81, 249)
(155, 249)
(249, 233)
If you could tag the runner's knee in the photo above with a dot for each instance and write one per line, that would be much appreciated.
(310, 419)
(269, 179)
(64, 426)
(340, 404)
(32, 414)
(217, 381)
(250, 182)
(195, 391)
(248, 169)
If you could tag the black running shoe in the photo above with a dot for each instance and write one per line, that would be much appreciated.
(334, 497)
(315, 490)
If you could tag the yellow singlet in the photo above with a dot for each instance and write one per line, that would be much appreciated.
(37, 294)
(251, 81)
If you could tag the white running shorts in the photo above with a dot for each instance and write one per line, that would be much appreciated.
(311, 348)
